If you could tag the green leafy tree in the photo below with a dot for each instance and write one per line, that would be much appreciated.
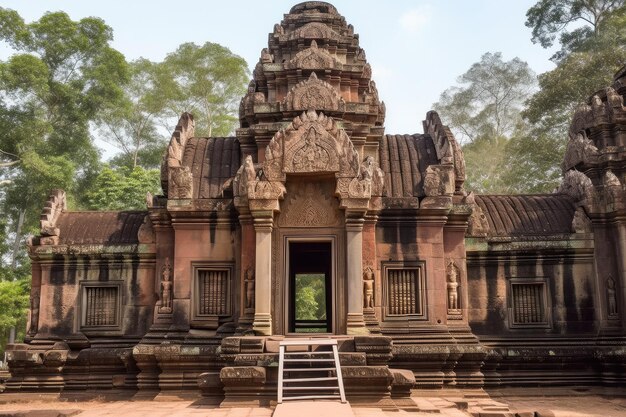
(59, 75)
(207, 81)
(484, 112)
(591, 54)
(123, 188)
(131, 125)
(14, 304)
(550, 19)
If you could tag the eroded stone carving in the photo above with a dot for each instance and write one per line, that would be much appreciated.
(452, 285)
(166, 287)
(578, 186)
(309, 205)
(266, 57)
(181, 181)
(477, 225)
(313, 94)
(579, 149)
(313, 58)
(616, 104)
(146, 231)
(34, 314)
(613, 190)
(54, 206)
(314, 30)
(581, 222)
(249, 288)
(173, 174)
(611, 296)
(582, 119)
(368, 288)
(439, 180)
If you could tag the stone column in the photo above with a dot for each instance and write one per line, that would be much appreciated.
(263, 222)
(354, 241)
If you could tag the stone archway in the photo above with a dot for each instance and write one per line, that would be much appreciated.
(311, 145)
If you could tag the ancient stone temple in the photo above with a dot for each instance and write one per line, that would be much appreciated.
(313, 222)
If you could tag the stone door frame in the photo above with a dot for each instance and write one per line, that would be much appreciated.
(280, 286)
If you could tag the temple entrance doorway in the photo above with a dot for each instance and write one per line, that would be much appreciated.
(310, 287)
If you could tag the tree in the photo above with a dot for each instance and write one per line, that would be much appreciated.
(131, 124)
(123, 188)
(61, 73)
(549, 18)
(14, 304)
(484, 113)
(583, 67)
(207, 81)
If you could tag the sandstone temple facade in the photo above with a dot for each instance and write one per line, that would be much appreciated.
(424, 284)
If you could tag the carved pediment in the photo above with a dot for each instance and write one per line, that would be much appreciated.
(313, 94)
(313, 58)
(312, 143)
(314, 30)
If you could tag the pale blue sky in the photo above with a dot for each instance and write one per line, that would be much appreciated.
(416, 48)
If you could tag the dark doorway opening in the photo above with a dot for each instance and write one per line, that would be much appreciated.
(310, 287)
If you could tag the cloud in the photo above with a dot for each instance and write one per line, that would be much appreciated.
(415, 19)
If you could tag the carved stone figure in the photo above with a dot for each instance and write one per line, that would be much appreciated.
(581, 222)
(181, 183)
(311, 157)
(611, 296)
(249, 288)
(368, 288)
(166, 288)
(453, 288)
(34, 314)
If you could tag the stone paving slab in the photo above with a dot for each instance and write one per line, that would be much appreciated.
(313, 409)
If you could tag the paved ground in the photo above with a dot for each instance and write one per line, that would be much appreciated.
(559, 404)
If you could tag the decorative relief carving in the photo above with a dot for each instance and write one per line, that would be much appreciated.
(309, 205)
(616, 104)
(313, 94)
(266, 57)
(146, 231)
(166, 288)
(310, 136)
(613, 190)
(180, 183)
(578, 186)
(579, 149)
(453, 275)
(582, 120)
(439, 180)
(34, 314)
(368, 288)
(313, 58)
(172, 169)
(312, 157)
(314, 30)
(54, 206)
(581, 222)
(477, 226)
(611, 296)
(249, 288)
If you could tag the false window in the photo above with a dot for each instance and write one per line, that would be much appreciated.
(212, 294)
(528, 303)
(100, 305)
(404, 290)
